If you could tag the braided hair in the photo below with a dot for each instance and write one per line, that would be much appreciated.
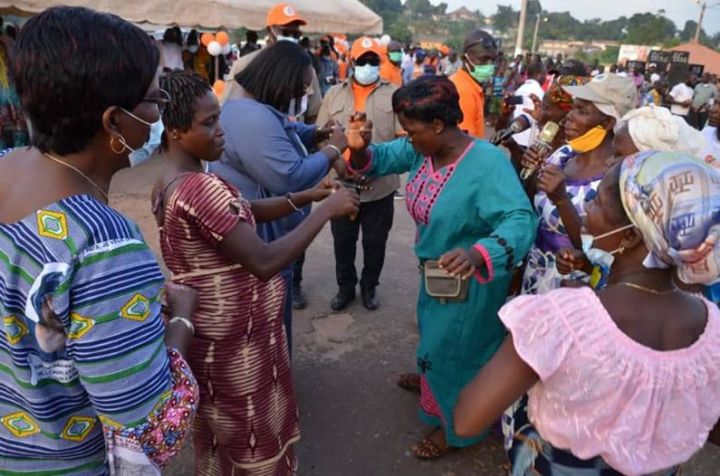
(184, 88)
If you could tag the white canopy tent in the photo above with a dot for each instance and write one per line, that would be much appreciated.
(323, 16)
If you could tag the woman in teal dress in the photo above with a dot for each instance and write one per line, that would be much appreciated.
(474, 217)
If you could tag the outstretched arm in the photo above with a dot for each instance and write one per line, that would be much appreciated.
(500, 383)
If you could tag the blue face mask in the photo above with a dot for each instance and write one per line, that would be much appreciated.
(713, 293)
(366, 75)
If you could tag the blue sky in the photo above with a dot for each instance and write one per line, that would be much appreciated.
(677, 10)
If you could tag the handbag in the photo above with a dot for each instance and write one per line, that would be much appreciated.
(443, 286)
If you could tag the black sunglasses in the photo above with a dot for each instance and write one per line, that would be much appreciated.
(488, 43)
(291, 33)
(161, 101)
(372, 61)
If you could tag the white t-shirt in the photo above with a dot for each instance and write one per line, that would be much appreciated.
(171, 55)
(681, 93)
(712, 143)
(530, 87)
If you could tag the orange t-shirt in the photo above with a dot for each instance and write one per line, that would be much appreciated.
(343, 67)
(391, 73)
(360, 95)
(472, 103)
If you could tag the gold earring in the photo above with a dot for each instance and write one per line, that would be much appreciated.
(621, 250)
(122, 144)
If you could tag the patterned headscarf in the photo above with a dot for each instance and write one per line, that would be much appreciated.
(557, 93)
(674, 200)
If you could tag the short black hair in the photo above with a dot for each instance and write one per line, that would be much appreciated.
(573, 67)
(428, 98)
(276, 75)
(193, 38)
(184, 88)
(70, 64)
(535, 69)
(251, 35)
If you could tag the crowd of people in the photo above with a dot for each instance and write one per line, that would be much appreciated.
(569, 267)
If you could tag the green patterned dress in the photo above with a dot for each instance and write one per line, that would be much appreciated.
(477, 202)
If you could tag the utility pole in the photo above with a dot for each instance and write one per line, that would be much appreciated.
(703, 6)
(521, 27)
(535, 35)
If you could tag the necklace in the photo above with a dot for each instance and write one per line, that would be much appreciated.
(648, 290)
(79, 172)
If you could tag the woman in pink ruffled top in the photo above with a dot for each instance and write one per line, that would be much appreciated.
(625, 380)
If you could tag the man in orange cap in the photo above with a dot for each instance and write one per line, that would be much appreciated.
(282, 24)
(390, 69)
(365, 91)
(479, 53)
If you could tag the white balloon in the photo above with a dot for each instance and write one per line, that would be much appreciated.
(214, 48)
(385, 39)
(226, 49)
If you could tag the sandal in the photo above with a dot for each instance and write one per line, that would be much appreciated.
(426, 449)
(409, 382)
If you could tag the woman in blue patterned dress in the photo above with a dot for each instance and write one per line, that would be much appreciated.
(92, 381)
(572, 174)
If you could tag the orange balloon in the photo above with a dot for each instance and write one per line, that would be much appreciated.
(206, 38)
(222, 37)
(219, 87)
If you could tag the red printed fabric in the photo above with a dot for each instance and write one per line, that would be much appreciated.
(248, 417)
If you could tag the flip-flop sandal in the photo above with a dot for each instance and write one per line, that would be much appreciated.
(409, 382)
(425, 449)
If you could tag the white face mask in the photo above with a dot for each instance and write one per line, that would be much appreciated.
(291, 39)
(193, 49)
(123, 142)
(142, 154)
(280, 37)
(297, 109)
(367, 74)
(600, 258)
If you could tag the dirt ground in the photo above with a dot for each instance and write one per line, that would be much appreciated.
(354, 420)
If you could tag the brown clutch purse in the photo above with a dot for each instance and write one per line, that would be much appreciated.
(442, 286)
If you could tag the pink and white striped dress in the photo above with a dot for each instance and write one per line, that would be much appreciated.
(248, 417)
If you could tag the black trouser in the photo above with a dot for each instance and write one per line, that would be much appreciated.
(697, 119)
(375, 219)
(298, 270)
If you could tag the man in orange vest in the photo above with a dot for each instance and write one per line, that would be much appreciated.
(479, 53)
(365, 91)
(390, 69)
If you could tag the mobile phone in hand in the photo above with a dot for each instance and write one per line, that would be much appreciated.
(514, 100)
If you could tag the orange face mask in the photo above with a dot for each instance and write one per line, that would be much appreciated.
(591, 140)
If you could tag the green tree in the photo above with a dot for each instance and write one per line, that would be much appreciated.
(419, 8)
(505, 18)
(400, 31)
(389, 10)
(649, 29)
(533, 8)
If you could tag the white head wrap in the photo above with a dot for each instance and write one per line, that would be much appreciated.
(655, 128)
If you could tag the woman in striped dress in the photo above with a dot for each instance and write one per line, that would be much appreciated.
(92, 382)
(248, 417)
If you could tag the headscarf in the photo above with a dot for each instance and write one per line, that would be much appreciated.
(557, 93)
(655, 128)
(674, 200)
